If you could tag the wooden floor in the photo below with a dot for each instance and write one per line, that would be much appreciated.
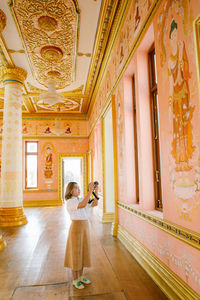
(31, 266)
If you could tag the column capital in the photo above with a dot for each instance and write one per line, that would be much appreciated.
(2, 21)
(14, 74)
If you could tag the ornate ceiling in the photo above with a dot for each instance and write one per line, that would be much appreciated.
(49, 31)
(60, 39)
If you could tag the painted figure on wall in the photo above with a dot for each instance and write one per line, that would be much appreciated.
(121, 52)
(48, 163)
(24, 129)
(137, 14)
(47, 130)
(68, 129)
(178, 66)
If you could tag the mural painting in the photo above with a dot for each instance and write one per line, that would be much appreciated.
(174, 30)
(48, 150)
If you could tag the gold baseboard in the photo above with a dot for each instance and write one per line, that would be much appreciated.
(35, 203)
(108, 217)
(172, 285)
(2, 243)
(12, 216)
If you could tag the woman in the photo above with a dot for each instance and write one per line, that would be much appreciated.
(77, 254)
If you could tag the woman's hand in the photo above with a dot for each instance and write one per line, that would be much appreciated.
(91, 186)
(96, 188)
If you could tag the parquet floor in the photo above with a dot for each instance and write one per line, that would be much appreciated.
(31, 266)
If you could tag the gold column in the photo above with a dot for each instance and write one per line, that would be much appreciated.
(116, 221)
(2, 26)
(11, 210)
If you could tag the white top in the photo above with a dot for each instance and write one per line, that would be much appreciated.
(75, 212)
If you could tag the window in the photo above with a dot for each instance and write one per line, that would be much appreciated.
(155, 128)
(31, 165)
(135, 142)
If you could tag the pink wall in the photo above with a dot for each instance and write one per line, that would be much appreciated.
(180, 163)
(58, 146)
(180, 156)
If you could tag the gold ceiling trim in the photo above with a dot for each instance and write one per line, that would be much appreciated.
(5, 56)
(107, 13)
(8, 62)
(2, 20)
(55, 25)
(119, 18)
(51, 116)
(16, 51)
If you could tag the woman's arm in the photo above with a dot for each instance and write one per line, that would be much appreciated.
(84, 202)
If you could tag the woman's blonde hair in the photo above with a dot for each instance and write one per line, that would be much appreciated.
(68, 193)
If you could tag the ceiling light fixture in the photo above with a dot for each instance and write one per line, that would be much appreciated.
(51, 97)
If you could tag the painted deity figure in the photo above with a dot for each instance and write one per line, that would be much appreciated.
(47, 130)
(137, 14)
(178, 65)
(68, 129)
(24, 129)
(48, 163)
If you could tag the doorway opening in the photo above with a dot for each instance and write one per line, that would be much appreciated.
(72, 168)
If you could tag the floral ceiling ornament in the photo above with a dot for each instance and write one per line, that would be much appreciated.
(49, 30)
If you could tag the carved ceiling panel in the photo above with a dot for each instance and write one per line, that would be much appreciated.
(49, 30)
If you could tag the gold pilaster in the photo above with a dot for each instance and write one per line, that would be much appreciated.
(115, 224)
(11, 210)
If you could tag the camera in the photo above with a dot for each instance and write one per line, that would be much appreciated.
(95, 184)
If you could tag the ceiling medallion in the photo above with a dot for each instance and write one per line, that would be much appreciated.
(53, 74)
(49, 30)
(51, 53)
(47, 23)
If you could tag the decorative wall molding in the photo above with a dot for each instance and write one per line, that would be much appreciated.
(172, 285)
(53, 137)
(106, 18)
(108, 217)
(120, 14)
(39, 191)
(39, 203)
(181, 233)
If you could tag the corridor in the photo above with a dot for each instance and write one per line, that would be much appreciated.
(33, 262)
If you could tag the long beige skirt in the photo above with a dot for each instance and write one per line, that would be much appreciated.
(77, 254)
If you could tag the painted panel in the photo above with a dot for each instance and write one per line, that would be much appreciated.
(178, 89)
(52, 127)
